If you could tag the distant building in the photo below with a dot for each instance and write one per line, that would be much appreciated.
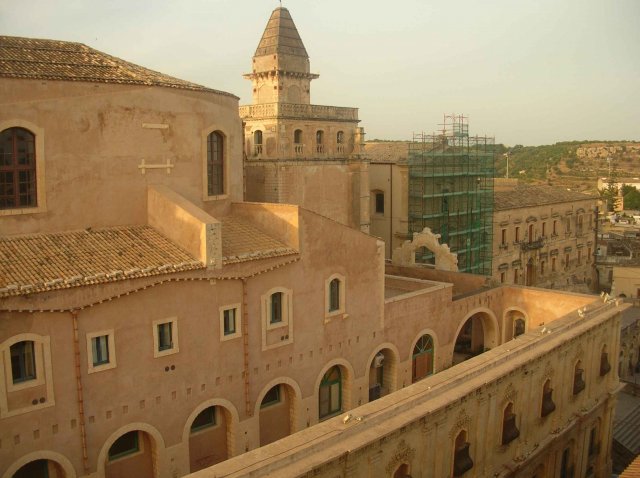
(544, 236)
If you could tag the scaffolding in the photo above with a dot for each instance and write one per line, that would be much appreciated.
(451, 191)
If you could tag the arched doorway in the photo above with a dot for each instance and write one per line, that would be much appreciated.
(40, 469)
(382, 374)
(477, 335)
(422, 358)
(208, 434)
(131, 454)
(276, 413)
(514, 324)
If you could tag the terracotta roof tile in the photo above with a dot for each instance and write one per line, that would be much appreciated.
(633, 470)
(60, 60)
(42, 262)
(242, 241)
(529, 196)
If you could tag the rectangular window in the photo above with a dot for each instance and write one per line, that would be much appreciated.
(504, 237)
(515, 276)
(276, 308)
(541, 268)
(579, 257)
(566, 261)
(23, 363)
(502, 277)
(544, 229)
(379, 203)
(100, 350)
(553, 264)
(165, 337)
(229, 318)
(517, 234)
(555, 227)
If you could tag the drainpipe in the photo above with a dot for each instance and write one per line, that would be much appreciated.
(76, 354)
(390, 210)
(245, 347)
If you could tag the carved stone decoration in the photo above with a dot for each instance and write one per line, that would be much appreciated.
(463, 421)
(403, 454)
(548, 372)
(405, 255)
(579, 353)
(509, 394)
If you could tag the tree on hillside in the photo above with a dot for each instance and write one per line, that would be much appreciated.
(631, 197)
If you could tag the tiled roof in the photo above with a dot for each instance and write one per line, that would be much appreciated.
(281, 36)
(387, 152)
(32, 58)
(529, 196)
(242, 242)
(633, 470)
(625, 430)
(42, 262)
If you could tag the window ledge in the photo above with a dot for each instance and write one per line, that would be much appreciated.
(24, 210)
(337, 315)
(216, 198)
(24, 384)
(235, 335)
(101, 368)
(162, 353)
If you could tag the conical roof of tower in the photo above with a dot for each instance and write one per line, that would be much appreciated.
(281, 36)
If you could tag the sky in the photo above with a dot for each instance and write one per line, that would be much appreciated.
(528, 72)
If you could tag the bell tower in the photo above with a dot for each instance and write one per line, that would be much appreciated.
(281, 72)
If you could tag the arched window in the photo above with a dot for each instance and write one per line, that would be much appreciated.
(125, 445)
(509, 428)
(462, 461)
(257, 141)
(605, 367)
(297, 141)
(23, 362)
(319, 141)
(17, 169)
(206, 418)
(330, 394)
(334, 295)
(340, 141)
(422, 358)
(547, 399)
(578, 379)
(215, 164)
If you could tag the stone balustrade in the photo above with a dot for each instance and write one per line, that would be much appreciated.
(302, 111)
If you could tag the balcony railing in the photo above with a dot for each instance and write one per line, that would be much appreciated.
(298, 148)
(301, 111)
(530, 246)
(258, 149)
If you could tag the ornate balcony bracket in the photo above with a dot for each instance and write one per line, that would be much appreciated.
(530, 246)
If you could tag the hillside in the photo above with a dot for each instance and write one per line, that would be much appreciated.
(575, 165)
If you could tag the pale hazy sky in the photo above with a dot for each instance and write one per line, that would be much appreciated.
(525, 71)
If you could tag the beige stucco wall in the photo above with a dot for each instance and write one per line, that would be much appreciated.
(96, 137)
(418, 425)
(626, 280)
(393, 225)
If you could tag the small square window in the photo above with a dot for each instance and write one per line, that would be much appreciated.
(230, 322)
(165, 337)
(100, 350)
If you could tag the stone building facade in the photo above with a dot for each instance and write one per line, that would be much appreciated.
(153, 324)
(297, 152)
(545, 237)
